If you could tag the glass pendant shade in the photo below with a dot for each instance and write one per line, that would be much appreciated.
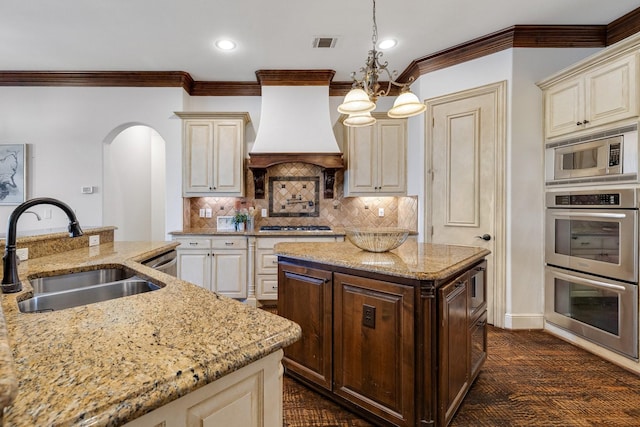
(355, 102)
(359, 120)
(406, 105)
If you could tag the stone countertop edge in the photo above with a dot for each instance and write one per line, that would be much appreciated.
(413, 260)
(48, 234)
(257, 233)
(107, 363)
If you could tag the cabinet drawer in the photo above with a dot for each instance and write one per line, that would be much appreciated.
(267, 287)
(193, 243)
(266, 262)
(229, 243)
(270, 242)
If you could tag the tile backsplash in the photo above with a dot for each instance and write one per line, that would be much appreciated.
(337, 212)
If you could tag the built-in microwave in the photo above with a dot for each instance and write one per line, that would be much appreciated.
(607, 156)
(593, 158)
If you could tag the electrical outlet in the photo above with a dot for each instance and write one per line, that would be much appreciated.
(22, 254)
(264, 213)
(380, 211)
(94, 240)
(369, 316)
(208, 213)
(202, 213)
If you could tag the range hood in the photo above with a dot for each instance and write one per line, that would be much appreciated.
(295, 125)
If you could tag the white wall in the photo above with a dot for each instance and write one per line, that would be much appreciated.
(521, 68)
(65, 128)
(134, 182)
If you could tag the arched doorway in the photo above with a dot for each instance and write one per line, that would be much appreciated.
(134, 183)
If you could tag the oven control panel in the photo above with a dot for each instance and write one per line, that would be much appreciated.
(611, 199)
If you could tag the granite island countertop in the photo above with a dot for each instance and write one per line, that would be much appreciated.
(413, 260)
(110, 362)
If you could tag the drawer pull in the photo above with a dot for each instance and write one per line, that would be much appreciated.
(228, 243)
(275, 288)
(193, 243)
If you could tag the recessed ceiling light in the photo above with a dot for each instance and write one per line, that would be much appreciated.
(387, 44)
(225, 45)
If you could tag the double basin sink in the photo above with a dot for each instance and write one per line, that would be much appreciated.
(82, 288)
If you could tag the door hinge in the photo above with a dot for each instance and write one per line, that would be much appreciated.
(431, 231)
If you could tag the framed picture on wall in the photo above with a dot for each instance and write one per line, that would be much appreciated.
(12, 173)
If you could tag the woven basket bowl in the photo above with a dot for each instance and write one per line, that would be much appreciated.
(375, 239)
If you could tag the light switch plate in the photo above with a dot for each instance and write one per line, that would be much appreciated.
(94, 240)
(380, 211)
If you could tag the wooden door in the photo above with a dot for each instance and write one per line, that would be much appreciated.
(465, 187)
(374, 346)
(564, 107)
(392, 158)
(454, 357)
(304, 296)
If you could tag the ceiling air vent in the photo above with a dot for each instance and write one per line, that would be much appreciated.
(322, 42)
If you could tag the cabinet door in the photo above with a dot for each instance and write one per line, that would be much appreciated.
(373, 346)
(362, 160)
(229, 273)
(392, 158)
(454, 349)
(228, 153)
(194, 266)
(304, 296)
(564, 107)
(376, 161)
(611, 92)
(198, 156)
(478, 337)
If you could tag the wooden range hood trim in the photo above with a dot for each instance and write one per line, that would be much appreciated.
(329, 162)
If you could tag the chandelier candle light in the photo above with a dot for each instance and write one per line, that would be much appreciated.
(361, 99)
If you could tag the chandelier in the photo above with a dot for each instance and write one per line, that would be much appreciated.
(361, 99)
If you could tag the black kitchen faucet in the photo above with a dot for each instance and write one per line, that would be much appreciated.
(10, 280)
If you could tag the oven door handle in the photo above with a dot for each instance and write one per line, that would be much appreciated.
(589, 215)
(589, 281)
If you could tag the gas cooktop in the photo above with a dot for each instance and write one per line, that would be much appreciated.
(295, 228)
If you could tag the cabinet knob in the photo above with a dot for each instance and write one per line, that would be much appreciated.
(578, 123)
(585, 121)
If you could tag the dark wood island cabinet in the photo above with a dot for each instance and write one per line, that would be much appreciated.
(398, 337)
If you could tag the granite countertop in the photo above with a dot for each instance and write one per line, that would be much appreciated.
(257, 233)
(111, 362)
(422, 261)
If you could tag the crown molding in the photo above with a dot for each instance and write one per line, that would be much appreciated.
(524, 36)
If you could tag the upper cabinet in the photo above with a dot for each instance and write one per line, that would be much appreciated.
(599, 91)
(377, 158)
(213, 146)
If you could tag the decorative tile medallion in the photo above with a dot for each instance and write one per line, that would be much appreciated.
(294, 196)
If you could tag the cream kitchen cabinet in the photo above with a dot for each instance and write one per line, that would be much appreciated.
(377, 158)
(266, 262)
(213, 147)
(594, 95)
(217, 263)
(248, 397)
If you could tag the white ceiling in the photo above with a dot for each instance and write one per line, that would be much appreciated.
(178, 35)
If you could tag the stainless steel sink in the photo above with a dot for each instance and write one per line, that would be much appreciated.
(86, 295)
(82, 279)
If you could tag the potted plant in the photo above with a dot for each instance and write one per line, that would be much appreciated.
(240, 219)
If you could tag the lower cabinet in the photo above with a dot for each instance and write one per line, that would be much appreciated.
(266, 262)
(454, 353)
(248, 397)
(399, 351)
(373, 346)
(463, 337)
(305, 298)
(217, 263)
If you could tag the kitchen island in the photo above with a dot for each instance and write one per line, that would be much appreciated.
(136, 358)
(398, 337)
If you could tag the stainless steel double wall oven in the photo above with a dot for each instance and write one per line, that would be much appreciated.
(591, 278)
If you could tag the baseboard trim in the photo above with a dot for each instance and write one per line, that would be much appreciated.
(524, 321)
